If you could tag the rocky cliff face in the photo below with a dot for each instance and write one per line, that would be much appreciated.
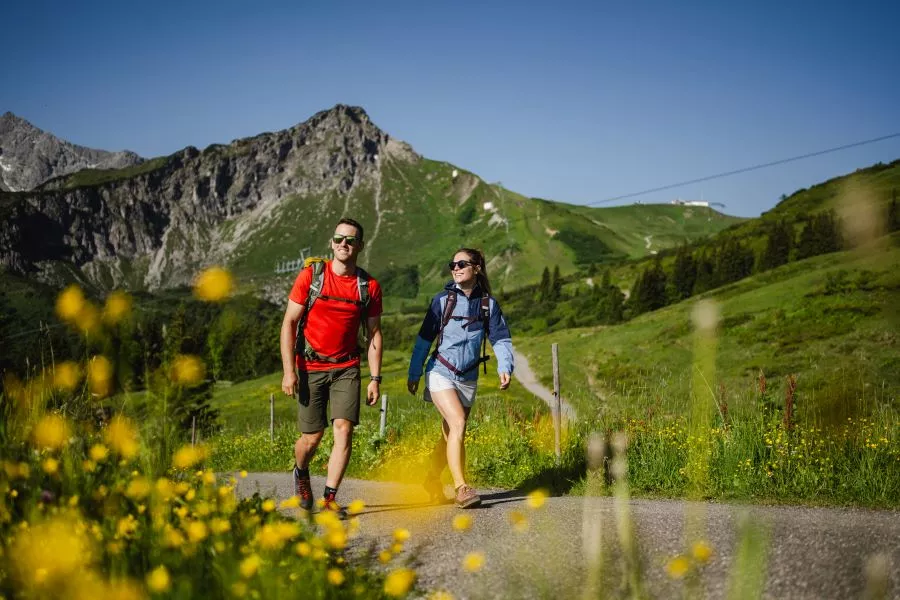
(159, 222)
(30, 156)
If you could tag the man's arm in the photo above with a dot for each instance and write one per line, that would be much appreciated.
(376, 348)
(288, 336)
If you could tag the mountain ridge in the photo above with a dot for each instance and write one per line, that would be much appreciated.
(29, 156)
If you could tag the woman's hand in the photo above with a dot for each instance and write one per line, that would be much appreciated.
(504, 381)
(412, 386)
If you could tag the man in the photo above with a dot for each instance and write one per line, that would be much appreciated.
(327, 370)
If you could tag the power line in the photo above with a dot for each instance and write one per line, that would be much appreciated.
(744, 169)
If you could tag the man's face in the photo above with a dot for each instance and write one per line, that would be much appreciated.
(345, 243)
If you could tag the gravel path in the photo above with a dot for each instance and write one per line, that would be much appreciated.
(813, 552)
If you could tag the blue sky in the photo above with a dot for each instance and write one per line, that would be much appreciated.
(576, 102)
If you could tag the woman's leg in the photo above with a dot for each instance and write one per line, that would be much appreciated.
(454, 428)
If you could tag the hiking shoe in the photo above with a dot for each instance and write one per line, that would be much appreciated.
(303, 489)
(466, 497)
(434, 488)
(328, 503)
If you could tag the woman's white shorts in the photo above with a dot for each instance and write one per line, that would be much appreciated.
(465, 390)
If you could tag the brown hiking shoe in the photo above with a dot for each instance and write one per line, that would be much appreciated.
(303, 489)
(466, 497)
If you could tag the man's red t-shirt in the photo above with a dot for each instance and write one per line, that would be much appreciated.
(331, 326)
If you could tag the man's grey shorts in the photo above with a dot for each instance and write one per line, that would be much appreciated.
(317, 389)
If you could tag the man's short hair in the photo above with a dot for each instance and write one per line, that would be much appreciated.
(359, 228)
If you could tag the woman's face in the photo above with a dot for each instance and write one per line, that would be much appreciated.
(463, 269)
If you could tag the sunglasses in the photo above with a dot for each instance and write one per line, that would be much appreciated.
(460, 264)
(351, 240)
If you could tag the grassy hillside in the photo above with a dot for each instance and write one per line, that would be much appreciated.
(830, 320)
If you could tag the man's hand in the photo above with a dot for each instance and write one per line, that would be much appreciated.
(412, 386)
(289, 383)
(504, 381)
(372, 393)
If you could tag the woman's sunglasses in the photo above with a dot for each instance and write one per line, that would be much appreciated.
(338, 238)
(460, 264)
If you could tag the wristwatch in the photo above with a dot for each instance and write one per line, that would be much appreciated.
(375, 378)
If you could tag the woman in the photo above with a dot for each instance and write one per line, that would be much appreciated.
(462, 318)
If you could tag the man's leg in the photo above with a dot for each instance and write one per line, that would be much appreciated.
(312, 393)
(344, 397)
(340, 452)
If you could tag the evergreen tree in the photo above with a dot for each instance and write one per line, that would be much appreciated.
(684, 274)
(819, 236)
(706, 272)
(556, 284)
(650, 291)
(778, 247)
(544, 287)
(615, 304)
(735, 261)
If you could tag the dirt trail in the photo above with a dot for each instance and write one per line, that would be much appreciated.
(529, 381)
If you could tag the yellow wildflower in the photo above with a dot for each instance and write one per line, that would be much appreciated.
(701, 551)
(518, 520)
(268, 505)
(188, 456)
(356, 507)
(172, 537)
(98, 452)
(401, 535)
(51, 551)
(213, 285)
(66, 376)
(187, 369)
(398, 582)
(121, 436)
(100, 375)
(462, 522)
(335, 577)
(51, 433)
(50, 465)
(678, 567)
(243, 474)
(250, 565)
(239, 589)
(292, 502)
(336, 539)
(69, 303)
(158, 580)
(117, 307)
(440, 595)
(473, 562)
(219, 526)
(303, 549)
(385, 556)
(537, 498)
(138, 488)
(126, 526)
(165, 490)
(196, 531)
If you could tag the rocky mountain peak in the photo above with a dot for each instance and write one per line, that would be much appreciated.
(30, 156)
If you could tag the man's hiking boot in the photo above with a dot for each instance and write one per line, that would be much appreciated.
(434, 488)
(329, 504)
(466, 497)
(303, 489)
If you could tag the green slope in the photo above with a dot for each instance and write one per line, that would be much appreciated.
(831, 320)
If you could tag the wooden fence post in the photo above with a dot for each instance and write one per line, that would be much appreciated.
(384, 403)
(193, 430)
(557, 408)
(272, 417)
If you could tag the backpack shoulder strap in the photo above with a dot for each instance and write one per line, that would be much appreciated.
(362, 281)
(449, 305)
(486, 320)
(315, 286)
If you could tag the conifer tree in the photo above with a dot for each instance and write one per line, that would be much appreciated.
(650, 291)
(735, 261)
(684, 274)
(778, 247)
(544, 287)
(893, 220)
(556, 284)
(706, 271)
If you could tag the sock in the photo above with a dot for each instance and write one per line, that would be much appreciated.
(301, 472)
(330, 493)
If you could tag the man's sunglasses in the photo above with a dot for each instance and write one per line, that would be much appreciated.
(338, 238)
(460, 264)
